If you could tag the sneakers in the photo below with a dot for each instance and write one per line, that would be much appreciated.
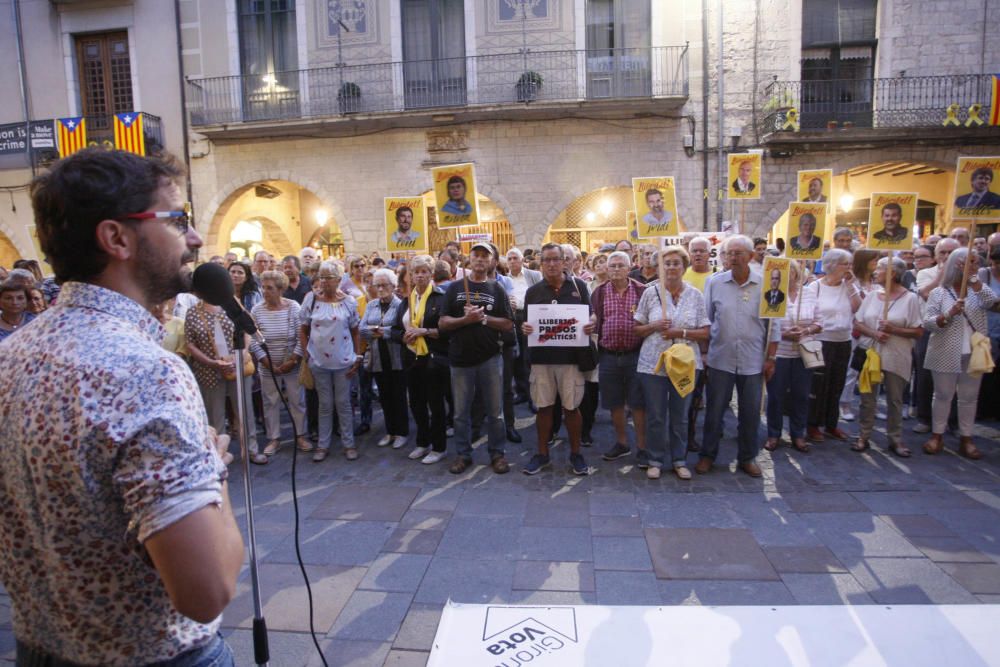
(921, 427)
(681, 471)
(642, 459)
(578, 464)
(398, 441)
(433, 457)
(418, 453)
(320, 455)
(537, 463)
(616, 452)
(384, 442)
(653, 472)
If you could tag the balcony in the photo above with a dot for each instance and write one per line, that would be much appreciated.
(464, 87)
(873, 110)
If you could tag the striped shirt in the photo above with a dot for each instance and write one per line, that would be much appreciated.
(280, 329)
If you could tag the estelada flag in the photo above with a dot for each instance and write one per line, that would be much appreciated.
(995, 100)
(128, 133)
(72, 135)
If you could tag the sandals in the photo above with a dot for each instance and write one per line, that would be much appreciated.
(258, 459)
(862, 445)
(771, 444)
(272, 448)
(899, 449)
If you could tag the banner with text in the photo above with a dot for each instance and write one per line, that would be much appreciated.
(558, 325)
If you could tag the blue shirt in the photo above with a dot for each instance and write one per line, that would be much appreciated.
(738, 335)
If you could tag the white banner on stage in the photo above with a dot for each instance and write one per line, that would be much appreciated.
(792, 636)
(558, 325)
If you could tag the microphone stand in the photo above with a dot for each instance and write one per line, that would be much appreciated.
(260, 648)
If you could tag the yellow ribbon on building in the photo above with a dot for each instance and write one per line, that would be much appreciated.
(791, 120)
(951, 115)
(974, 115)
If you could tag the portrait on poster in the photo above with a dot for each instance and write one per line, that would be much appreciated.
(632, 225)
(806, 223)
(655, 201)
(405, 224)
(891, 217)
(976, 196)
(455, 195)
(744, 175)
(815, 186)
(774, 287)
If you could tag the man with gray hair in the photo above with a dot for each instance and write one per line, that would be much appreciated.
(741, 353)
(960, 234)
(309, 256)
(843, 239)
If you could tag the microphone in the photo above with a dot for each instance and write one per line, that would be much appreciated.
(213, 283)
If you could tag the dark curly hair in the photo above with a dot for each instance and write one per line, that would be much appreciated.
(80, 191)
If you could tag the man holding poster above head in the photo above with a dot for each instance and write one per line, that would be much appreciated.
(405, 225)
(744, 170)
(979, 202)
(803, 221)
(455, 195)
(655, 202)
(558, 310)
(890, 219)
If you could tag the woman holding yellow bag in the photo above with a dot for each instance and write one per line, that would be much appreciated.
(672, 319)
(889, 325)
(957, 322)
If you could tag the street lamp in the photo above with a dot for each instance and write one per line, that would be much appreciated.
(321, 216)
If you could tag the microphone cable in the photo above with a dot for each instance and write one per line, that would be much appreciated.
(295, 500)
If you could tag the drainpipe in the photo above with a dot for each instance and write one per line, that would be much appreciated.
(722, 114)
(704, 114)
(22, 70)
(181, 80)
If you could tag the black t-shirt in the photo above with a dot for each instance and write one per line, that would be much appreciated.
(298, 293)
(473, 344)
(572, 292)
(636, 274)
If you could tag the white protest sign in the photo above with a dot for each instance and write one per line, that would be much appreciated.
(558, 325)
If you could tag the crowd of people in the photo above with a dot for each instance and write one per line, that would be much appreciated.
(442, 342)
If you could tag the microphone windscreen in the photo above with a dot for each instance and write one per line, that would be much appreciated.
(212, 283)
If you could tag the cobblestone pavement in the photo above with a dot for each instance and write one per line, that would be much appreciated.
(386, 541)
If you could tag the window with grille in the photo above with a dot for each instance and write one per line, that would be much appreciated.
(105, 74)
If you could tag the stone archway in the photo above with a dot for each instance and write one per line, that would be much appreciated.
(219, 205)
(9, 248)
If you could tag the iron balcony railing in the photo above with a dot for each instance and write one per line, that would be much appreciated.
(533, 76)
(919, 101)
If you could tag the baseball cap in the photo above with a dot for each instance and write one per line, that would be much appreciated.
(484, 246)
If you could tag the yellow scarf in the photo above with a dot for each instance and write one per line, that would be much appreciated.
(417, 304)
(871, 373)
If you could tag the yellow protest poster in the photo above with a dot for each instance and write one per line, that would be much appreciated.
(631, 224)
(655, 206)
(891, 217)
(974, 197)
(815, 185)
(806, 225)
(405, 224)
(774, 287)
(744, 175)
(455, 195)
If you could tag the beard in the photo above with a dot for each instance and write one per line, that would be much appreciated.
(160, 278)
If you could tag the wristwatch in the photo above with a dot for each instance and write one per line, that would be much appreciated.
(973, 280)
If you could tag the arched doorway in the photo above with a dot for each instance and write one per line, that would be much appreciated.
(277, 216)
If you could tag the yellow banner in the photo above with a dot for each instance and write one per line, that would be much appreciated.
(974, 197)
(455, 195)
(774, 288)
(405, 224)
(891, 218)
(806, 227)
(655, 201)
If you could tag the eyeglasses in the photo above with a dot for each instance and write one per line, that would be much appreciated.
(179, 220)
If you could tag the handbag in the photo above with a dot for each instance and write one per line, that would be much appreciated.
(811, 353)
(586, 357)
(249, 367)
(306, 378)
(858, 358)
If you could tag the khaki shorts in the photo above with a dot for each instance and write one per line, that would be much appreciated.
(550, 380)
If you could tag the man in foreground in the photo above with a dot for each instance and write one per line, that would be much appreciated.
(119, 540)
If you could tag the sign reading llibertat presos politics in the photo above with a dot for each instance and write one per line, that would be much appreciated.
(483, 635)
(558, 325)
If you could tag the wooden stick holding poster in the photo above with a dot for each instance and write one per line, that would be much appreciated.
(965, 276)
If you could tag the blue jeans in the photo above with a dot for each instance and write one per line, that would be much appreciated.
(334, 388)
(666, 415)
(720, 391)
(485, 378)
(216, 653)
(790, 375)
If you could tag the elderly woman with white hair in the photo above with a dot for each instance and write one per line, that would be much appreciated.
(952, 320)
(837, 296)
(890, 323)
(383, 358)
(329, 335)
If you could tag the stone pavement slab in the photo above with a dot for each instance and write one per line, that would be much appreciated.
(707, 553)
(949, 550)
(855, 535)
(634, 588)
(416, 519)
(396, 572)
(908, 581)
(621, 553)
(569, 544)
(418, 628)
(612, 526)
(532, 575)
(714, 592)
(335, 543)
(371, 615)
(413, 541)
(479, 537)
(397, 658)
(980, 578)
(803, 560)
(833, 588)
(351, 653)
(366, 502)
(916, 525)
(466, 580)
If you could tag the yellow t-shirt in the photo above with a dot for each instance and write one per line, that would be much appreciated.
(174, 341)
(696, 279)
